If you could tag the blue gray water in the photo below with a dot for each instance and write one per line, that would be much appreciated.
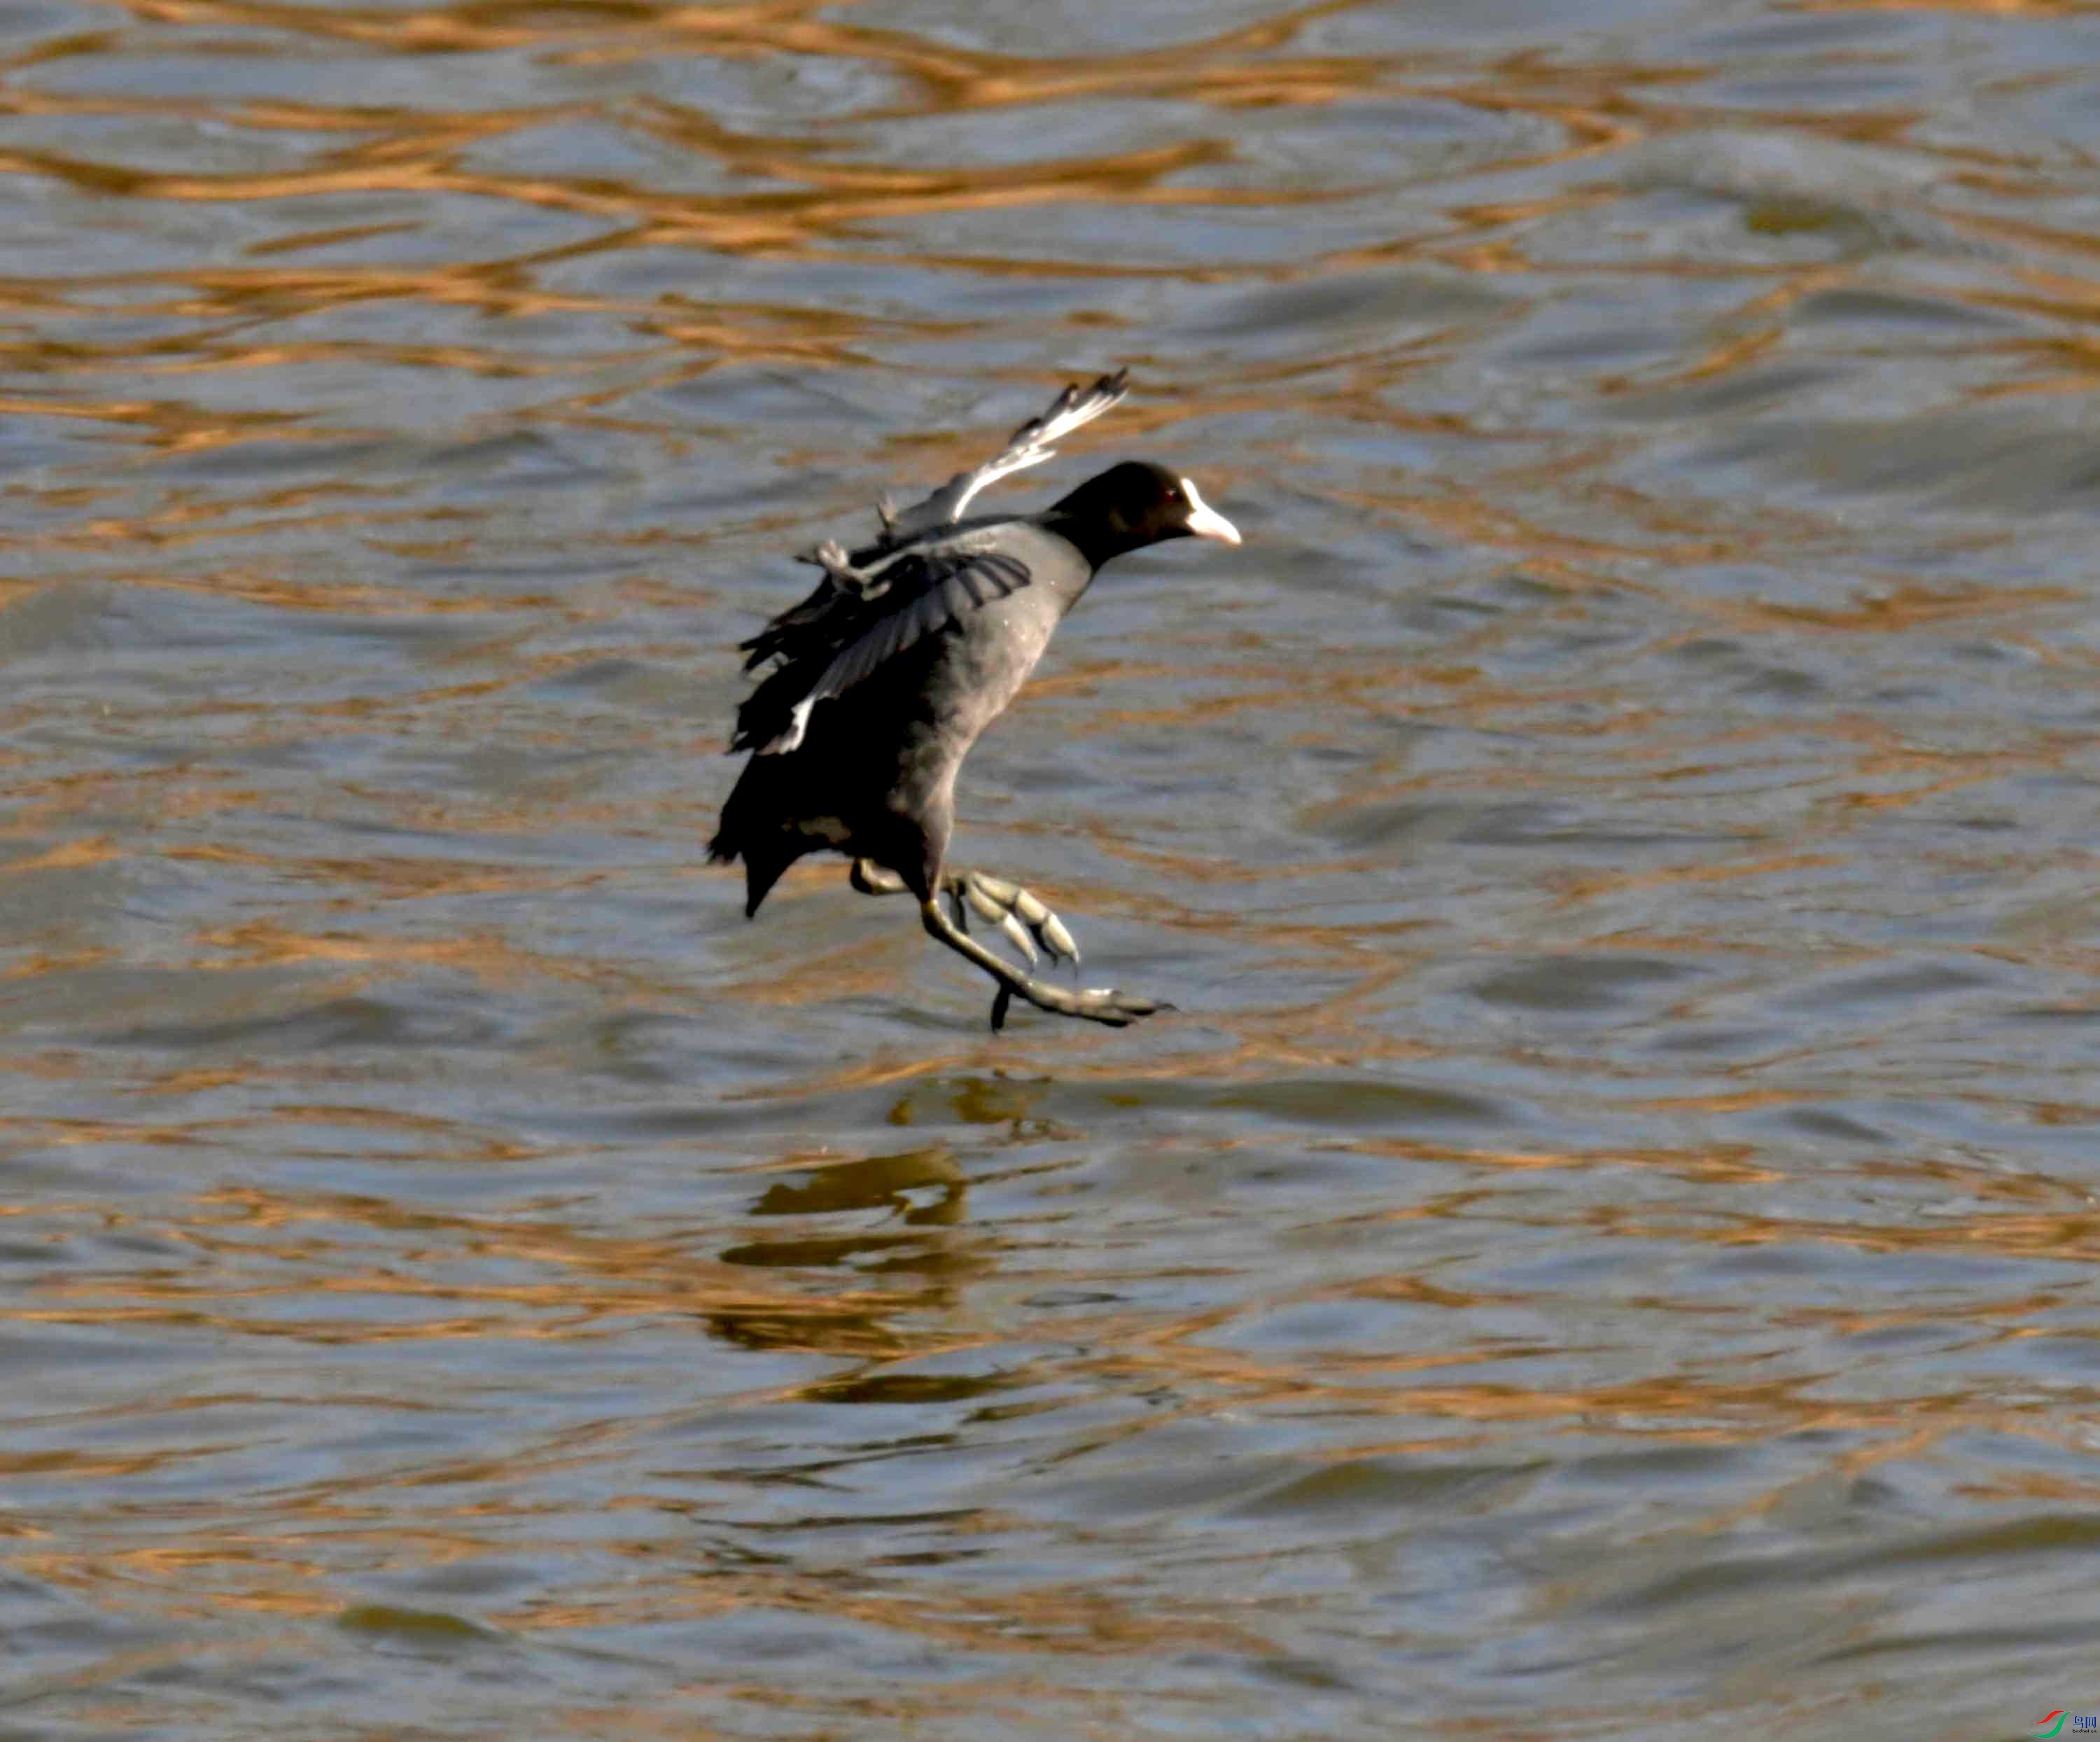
(1607, 1248)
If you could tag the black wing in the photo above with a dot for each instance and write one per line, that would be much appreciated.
(841, 633)
(1029, 446)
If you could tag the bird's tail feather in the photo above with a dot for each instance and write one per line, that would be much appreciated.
(766, 854)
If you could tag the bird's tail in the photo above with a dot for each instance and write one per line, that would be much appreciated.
(766, 853)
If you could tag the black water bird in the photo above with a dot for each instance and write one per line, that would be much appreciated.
(887, 673)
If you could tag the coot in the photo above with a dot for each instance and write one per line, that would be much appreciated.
(885, 675)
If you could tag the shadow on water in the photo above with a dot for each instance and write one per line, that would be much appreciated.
(1605, 1248)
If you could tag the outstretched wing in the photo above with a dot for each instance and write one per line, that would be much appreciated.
(1029, 446)
(839, 635)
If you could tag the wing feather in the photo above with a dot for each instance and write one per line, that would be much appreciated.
(839, 637)
(1029, 446)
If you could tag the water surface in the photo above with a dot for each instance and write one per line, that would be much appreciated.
(1606, 1249)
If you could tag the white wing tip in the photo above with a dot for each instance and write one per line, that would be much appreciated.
(798, 723)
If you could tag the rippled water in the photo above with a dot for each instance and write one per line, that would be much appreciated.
(1607, 1248)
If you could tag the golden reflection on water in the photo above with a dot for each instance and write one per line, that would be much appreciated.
(1615, 836)
(294, 1250)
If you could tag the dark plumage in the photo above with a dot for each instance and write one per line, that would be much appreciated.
(905, 651)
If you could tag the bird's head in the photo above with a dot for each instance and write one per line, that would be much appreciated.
(1133, 504)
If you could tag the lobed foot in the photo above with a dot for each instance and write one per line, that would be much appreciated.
(1100, 1004)
(1024, 919)
(830, 556)
(1019, 914)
